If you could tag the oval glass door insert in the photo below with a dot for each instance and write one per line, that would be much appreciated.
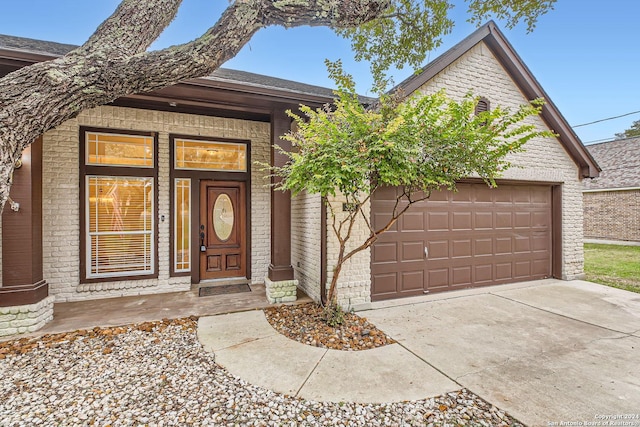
(223, 217)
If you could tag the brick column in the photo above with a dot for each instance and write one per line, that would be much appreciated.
(24, 302)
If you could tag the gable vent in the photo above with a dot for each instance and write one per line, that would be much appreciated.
(482, 106)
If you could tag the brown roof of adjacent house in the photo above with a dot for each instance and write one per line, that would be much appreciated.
(620, 163)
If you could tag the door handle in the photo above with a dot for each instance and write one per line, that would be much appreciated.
(203, 248)
(426, 252)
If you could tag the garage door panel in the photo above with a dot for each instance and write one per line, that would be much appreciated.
(438, 278)
(483, 274)
(483, 220)
(461, 248)
(476, 237)
(461, 220)
(385, 284)
(540, 219)
(385, 252)
(522, 269)
(522, 244)
(464, 194)
(413, 280)
(522, 219)
(483, 247)
(504, 245)
(521, 196)
(412, 221)
(461, 276)
(503, 271)
(504, 220)
(540, 195)
(540, 268)
(437, 221)
(438, 250)
(380, 219)
(540, 242)
(412, 251)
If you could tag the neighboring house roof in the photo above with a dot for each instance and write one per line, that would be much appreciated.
(36, 50)
(620, 162)
(521, 75)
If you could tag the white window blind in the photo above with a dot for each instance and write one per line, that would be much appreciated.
(120, 224)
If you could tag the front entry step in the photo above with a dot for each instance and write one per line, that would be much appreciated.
(222, 286)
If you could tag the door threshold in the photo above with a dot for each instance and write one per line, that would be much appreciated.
(220, 282)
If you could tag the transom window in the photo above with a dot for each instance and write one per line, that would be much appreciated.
(119, 180)
(119, 150)
(210, 155)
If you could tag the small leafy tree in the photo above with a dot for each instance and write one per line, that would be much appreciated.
(421, 143)
(632, 131)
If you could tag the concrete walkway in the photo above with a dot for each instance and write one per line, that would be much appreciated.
(545, 351)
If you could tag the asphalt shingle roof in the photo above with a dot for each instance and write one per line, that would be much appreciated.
(620, 163)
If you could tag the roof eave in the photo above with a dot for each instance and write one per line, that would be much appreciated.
(520, 73)
(23, 58)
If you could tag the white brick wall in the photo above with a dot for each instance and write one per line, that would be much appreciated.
(354, 282)
(25, 318)
(305, 243)
(545, 159)
(61, 222)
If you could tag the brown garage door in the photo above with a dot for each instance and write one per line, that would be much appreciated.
(477, 236)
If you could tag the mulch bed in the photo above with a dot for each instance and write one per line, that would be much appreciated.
(304, 323)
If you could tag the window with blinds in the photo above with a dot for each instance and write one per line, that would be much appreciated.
(120, 226)
(119, 196)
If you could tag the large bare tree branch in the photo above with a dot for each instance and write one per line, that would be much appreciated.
(114, 61)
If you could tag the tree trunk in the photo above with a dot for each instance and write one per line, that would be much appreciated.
(114, 63)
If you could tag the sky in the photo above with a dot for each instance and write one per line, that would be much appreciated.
(584, 53)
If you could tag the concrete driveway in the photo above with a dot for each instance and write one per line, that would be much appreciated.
(548, 352)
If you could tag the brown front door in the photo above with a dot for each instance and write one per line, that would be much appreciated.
(222, 229)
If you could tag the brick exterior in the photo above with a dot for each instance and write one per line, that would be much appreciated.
(612, 215)
(61, 222)
(305, 243)
(25, 318)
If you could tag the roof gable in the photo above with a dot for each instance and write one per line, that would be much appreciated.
(620, 162)
(493, 38)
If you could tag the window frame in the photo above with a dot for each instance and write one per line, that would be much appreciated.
(86, 170)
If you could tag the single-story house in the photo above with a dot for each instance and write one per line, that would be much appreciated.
(159, 192)
(612, 201)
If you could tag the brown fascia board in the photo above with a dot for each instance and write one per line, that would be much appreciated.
(522, 76)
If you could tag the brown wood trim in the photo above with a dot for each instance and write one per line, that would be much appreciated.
(85, 170)
(196, 177)
(556, 232)
(24, 294)
(22, 280)
(280, 267)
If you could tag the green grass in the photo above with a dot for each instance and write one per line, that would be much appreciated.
(613, 265)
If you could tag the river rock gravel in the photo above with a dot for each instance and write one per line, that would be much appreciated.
(157, 374)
